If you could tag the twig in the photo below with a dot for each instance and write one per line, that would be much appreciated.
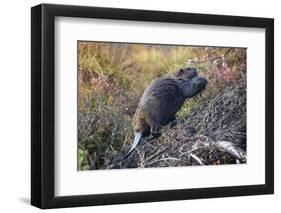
(163, 159)
(92, 163)
(195, 157)
(111, 148)
(141, 157)
(195, 149)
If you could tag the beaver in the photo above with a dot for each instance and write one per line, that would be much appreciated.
(161, 101)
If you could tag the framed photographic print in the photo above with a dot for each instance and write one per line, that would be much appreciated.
(139, 106)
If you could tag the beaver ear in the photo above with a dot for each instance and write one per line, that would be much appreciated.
(179, 72)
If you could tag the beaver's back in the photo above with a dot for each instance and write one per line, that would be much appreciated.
(161, 100)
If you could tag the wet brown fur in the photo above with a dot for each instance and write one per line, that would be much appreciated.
(158, 105)
(161, 101)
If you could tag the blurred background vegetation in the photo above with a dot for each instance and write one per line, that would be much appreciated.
(113, 76)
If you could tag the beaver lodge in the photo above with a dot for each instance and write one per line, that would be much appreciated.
(213, 133)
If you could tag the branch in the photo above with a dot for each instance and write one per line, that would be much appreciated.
(195, 157)
(231, 148)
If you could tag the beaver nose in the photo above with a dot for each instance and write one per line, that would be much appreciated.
(192, 72)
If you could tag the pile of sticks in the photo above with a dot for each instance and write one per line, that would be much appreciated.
(213, 133)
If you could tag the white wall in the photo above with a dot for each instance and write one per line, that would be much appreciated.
(15, 104)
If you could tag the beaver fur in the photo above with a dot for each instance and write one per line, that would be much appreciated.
(164, 97)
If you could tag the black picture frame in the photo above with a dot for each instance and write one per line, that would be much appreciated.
(43, 117)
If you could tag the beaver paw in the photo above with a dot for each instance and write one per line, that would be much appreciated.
(172, 123)
(156, 131)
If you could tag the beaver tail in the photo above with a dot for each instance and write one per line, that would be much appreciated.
(135, 143)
